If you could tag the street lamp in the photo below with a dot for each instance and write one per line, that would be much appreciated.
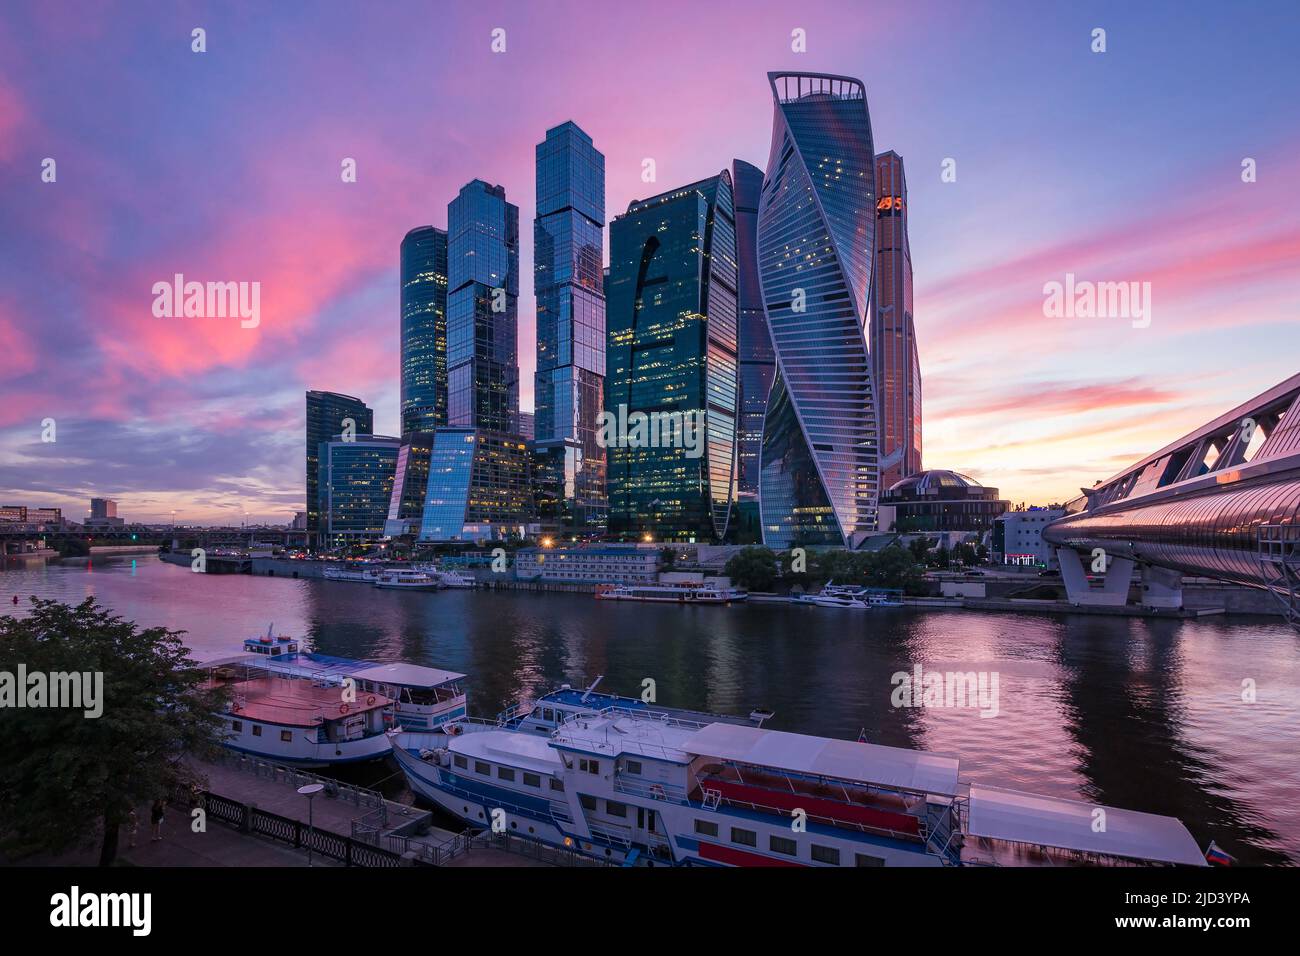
(309, 791)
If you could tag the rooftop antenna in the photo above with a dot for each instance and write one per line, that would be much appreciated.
(583, 698)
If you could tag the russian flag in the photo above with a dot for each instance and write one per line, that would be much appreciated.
(1216, 856)
(862, 735)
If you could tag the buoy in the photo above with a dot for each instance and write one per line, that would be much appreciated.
(343, 708)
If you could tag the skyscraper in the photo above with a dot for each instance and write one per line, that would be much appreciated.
(328, 414)
(483, 309)
(569, 384)
(671, 357)
(756, 361)
(356, 486)
(424, 329)
(897, 367)
(819, 478)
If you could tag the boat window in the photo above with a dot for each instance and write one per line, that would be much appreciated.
(782, 845)
(257, 730)
(588, 802)
(588, 766)
(506, 773)
(481, 767)
(615, 809)
(634, 767)
(744, 837)
(460, 762)
(237, 726)
(286, 736)
(557, 784)
(826, 854)
(532, 780)
(706, 827)
(548, 715)
(862, 859)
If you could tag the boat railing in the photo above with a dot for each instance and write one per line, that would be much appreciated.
(611, 833)
(513, 713)
(653, 791)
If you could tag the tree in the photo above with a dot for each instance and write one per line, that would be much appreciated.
(66, 777)
(753, 569)
(667, 558)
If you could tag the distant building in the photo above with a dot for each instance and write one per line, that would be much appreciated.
(103, 508)
(410, 485)
(45, 515)
(897, 366)
(356, 485)
(757, 361)
(299, 522)
(608, 564)
(483, 309)
(478, 488)
(671, 351)
(1018, 537)
(527, 425)
(424, 329)
(328, 414)
(568, 251)
(13, 513)
(940, 501)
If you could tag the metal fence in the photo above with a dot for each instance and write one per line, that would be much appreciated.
(359, 796)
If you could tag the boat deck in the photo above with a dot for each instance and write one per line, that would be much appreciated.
(294, 702)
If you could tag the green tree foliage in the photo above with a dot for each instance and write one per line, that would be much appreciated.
(753, 569)
(66, 779)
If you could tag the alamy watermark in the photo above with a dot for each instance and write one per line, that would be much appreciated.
(212, 300)
(684, 429)
(82, 691)
(1075, 299)
(951, 689)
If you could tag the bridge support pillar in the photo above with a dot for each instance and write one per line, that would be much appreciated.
(1161, 587)
(1115, 583)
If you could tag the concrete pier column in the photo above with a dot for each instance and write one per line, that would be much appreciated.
(1161, 587)
(1115, 584)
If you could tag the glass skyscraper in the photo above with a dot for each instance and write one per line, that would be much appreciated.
(478, 487)
(356, 486)
(567, 274)
(424, 329)
(757, 363)
(483, 309)
(897, 366)
(672, 311)
(326, 415)
(410, 484)
(819, 477)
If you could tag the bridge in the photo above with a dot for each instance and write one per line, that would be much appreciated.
(17, 538)
(1221, 502)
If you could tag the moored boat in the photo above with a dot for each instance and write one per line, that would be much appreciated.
(405, 579)
(690, 593)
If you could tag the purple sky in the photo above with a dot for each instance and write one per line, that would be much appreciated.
(224, 166)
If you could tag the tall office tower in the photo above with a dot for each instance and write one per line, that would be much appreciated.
(671, 360)
(424, 329)
(327, 415)
(410, 485)
(757, 363)
(101, 508)
(896, 365)
(483, 309)
(569, 385)
(819, 478)
(479, 487)
(356, 486)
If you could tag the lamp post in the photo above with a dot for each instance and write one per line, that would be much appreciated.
(309, 791)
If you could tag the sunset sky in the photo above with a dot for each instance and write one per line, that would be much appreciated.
(225, 166)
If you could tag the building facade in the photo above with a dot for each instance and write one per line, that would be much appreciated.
(410, 485)
(610, 564)
(328, 415)
(1018, 537)
(356, 485)
(896, 363)
(819, 471)
(939, 500)
(756, 361)
(670, 388)
(103, 508)
(479, 486)
(483, 309)
(424, 329)
(568, 254)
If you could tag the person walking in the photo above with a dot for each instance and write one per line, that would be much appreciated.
(156, 818)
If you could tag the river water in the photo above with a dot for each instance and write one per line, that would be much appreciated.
(1143, 714)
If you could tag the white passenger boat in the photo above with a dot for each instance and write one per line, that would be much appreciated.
(405, 579)
(640, 785)
(448, 579)
(671, 593)
(850, 596)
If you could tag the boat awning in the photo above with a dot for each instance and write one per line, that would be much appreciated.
(408, 675)
(1069, 825)
(914, 770)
